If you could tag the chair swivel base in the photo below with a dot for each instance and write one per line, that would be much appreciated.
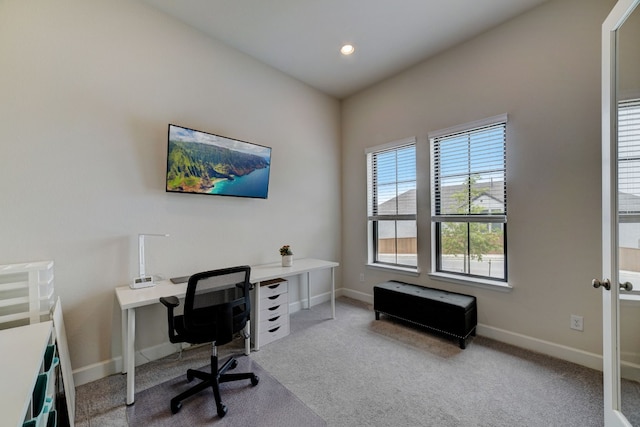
(213, 380)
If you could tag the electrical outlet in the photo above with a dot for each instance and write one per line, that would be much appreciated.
(577, 322)
(362, 277)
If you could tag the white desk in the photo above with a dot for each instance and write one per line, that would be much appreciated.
(130, 299)
(20, 363)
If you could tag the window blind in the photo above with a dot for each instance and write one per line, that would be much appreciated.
(391, 182)
(629, 160)
(469, 174)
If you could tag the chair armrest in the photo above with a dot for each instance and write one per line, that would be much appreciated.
(241, 286)
(170, 302)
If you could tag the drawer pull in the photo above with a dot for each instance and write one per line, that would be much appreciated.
(274, 329)
(273, 308)
(273, 319)
(274, 286)
(273, 297)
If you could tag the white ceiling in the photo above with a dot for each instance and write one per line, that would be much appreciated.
(302, 38)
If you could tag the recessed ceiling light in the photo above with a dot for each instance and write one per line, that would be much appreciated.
(347, 49)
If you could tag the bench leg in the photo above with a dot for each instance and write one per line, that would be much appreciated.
(463, 342)
(377, 315)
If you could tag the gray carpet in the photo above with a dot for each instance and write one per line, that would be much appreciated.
(268, 404)
(356, 371)
(361, 372)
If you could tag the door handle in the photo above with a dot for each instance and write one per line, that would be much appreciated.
(626, 286)
(604, 283)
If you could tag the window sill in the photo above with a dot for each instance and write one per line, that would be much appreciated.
(476, 282)
(396, 269)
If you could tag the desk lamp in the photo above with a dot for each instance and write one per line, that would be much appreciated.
(143, 281)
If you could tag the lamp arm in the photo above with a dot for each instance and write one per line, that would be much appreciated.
(141, 251)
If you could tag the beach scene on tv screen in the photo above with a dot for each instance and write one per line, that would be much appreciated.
(200, 162)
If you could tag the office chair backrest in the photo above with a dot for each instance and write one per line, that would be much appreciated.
(217, 303)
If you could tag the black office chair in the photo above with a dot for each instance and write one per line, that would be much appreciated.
(216, 307)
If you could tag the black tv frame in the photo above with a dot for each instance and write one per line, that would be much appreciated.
(195, 163)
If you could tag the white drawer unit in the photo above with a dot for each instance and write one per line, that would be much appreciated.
(274, 334)
(272, 309)
(274, 300)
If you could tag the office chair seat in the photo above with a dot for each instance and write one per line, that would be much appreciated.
(217, 306)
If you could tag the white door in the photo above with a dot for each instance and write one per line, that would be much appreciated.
(620, 191)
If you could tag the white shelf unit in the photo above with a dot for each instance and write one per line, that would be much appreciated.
(21, 364)
(26, 293)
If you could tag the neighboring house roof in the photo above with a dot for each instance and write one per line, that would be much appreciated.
(403, 204)
(490, 196)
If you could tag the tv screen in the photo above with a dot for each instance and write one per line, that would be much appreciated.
(204, 163)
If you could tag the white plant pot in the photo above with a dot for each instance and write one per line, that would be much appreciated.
(287, 260)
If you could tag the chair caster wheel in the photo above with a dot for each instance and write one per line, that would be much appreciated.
(222, 411)
(233, 364)
(255, 380)
(175, 407)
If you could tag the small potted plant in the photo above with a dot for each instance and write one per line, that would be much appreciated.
(287, 256)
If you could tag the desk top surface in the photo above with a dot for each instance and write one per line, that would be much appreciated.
(131, 298)
(22, 355)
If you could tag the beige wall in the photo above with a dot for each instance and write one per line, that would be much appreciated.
(88, 89)
(543, 70)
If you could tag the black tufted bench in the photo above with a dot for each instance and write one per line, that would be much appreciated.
(447, 312)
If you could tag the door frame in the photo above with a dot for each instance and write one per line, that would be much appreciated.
(613, 415)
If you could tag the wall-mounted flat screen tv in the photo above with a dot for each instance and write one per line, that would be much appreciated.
(205, 163)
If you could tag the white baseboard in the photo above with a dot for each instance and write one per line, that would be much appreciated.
(570, 354)
(315, 300)
(97, 371)
(357, 295)
(113, 366)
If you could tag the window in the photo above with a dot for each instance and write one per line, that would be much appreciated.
(469, 200)
(629, 157)
(391, 200)
(629, 189)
